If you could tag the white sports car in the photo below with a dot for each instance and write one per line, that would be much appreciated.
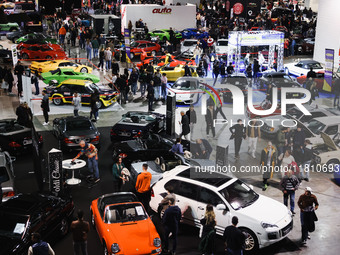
(303, 67)
(186, 89)
(221, 47)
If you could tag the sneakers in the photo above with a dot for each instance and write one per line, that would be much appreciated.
(45, 123)
(253, 155)
(265, 187)
(308, 236)
(303, 242)
(96, 180)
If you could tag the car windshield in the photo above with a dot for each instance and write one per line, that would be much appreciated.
(125, 213)
(134, 44)
(78, 125)
(184, 85)
(222, 43)
(316, 126)
(189, 43)
(295, 113)
(314, 66)
(12, 225)
(239, 195)
(92, 87)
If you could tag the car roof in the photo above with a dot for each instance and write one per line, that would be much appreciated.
(76, 82)
(329, 121)
(308, 61)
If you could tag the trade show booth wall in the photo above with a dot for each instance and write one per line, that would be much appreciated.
(159, 17)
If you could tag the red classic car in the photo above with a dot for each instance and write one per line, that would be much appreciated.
(23, 45)
(43, 51)
(175, 61)
(320, 76)
(149, 47)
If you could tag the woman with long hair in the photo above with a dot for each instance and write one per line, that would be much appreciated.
(206, 245)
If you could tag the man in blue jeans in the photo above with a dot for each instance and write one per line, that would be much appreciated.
(234, 239)
(91, 153)
(289, 184)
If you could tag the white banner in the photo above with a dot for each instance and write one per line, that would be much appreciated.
(14, 54)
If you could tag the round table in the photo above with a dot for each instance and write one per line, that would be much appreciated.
(79, 163)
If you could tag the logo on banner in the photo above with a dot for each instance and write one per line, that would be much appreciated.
(238, 8)
(162, 11)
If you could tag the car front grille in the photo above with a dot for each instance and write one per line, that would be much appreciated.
(286, 229)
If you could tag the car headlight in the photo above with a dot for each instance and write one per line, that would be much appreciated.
(115, 248)
(268, 225)
(157, 242)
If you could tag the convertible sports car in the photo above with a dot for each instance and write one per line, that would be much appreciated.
(303, 67)
(175, 72)
(16, 138)
(136, 124)
(42, 51)
(48, 66)
(61, 74)
(193, 33)
(6, 176)
(71, 130)
(163, 34)
(119, 218)
(63, 93)
(36, 38)
(5, 55)
(138, 46)
(187, 90)
(55, 47)
(24, 214)
(320, 77)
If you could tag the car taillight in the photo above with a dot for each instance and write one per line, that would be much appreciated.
(96, 139)
(8, 194)
(139, 134)
(66, 140)
(40, 139)
(112, 132)
(152, 193)
(14, 145)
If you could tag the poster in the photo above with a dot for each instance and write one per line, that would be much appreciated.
(14, 54)
(127, 41)
(55, 168)
(329, 63)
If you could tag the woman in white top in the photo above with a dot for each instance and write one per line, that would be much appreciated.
(286, 159)
(197, 54)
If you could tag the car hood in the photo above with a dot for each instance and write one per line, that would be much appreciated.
(133, 237)
(7, 244)
(265, 209)
(80, 133)
(104, 88)
(328, 141)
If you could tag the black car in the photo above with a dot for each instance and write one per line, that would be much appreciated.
(280, 80)
(239, 80)
(5, 55)
(15, 35)
(145, 149)
(16, 138)
(71, 130)
(136, 124)
(24, 214)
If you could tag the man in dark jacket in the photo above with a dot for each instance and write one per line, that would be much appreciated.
(150, 96)
(307, 203)
(191, 113)
(289, 184)
(299, 138)
(185, 126)
(209, 119)
(79, 229)
(268, 161)
(39, 246)
(122, 86)
(19, 71)
(238, 131)
(307, 159)
(230, 69)
(187, 71)
(45, 107)
(115, 66)
(171, 219)
(234, 239)
(203, 149)
(336, 91)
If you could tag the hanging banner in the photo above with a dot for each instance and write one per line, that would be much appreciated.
(14, 54)
(127, 42)
(329, 63)
(55, 158)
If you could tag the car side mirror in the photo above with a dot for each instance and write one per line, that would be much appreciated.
(221, 207)
(251, 186)
(13, 159)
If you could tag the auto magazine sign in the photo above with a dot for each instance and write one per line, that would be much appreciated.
(55, 168)
(329, 59)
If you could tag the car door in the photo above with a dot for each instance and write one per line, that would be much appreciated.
(65, 90)
(207, 196)
(141, 47)
(85, 94)
(297, 69)
(186, 194)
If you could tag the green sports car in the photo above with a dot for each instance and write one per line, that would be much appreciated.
(62, 74)
(9, 27)
(36, 38)
(163, 34)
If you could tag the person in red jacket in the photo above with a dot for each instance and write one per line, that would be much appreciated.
(143, 186)
(62, 34)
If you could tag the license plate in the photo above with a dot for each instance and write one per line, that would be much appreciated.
(287, 230)
(124, 134)
(26, 142)
(295, 95)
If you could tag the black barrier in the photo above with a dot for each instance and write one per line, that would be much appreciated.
(170, 114)
(222, 156)
(55, 168)
(38, 160)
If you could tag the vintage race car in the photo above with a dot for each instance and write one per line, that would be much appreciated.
(163, 34)
(48, 66)
(43, 51)
(63, 93)
(36, 38)
(175, 72)
(123, 226)
(61, 74)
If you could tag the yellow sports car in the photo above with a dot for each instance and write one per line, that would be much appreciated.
(48, 66)
(175, 72)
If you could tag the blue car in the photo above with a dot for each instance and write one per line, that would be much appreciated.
(193, 33)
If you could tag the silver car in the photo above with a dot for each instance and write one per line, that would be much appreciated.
(7, 175)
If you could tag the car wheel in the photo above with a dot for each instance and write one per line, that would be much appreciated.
(132, 55)
(25, 56)
(153, 53)
(286, 71)
(99, 104)
(64, 226)
(84, 70)
(159, 160)
(105, 251)
(251, 243)
(15, 39)
(164, 167)
(92, 220)
(48, 57)
(57, 101)
(300, 50)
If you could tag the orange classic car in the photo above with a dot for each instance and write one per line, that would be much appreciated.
(123, 226)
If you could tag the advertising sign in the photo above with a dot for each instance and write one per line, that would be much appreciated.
(55, 168)
(127, 41)
(329, 61)
(14, 54)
